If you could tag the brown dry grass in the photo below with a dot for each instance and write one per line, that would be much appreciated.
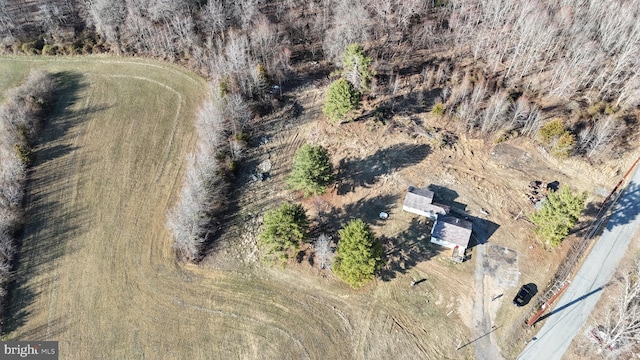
(97, 273)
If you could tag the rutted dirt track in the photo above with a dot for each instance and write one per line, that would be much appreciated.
(97, 273)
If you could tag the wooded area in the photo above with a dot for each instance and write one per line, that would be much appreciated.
(20, 120)
(563, 73)
(499, 67)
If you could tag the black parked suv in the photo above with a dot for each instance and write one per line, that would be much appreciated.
(524, 295)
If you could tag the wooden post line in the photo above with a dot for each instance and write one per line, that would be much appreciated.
(546, 305)
(621, 181)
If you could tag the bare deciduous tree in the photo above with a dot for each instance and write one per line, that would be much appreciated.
(323, 251)
(107, 17)
(7, 24)
(597, 136)
(215, 16)
(494, 116)
(621, 327)
(264, 40)
(351, 24)
(238, 112)
(195, 216)
(245, 11)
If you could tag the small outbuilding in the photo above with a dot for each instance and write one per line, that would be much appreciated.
(420, 202)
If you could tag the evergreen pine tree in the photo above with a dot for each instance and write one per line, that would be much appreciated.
(558, 215)
(312, 170)
(285, 229)
(358, 254)
(356, 67)
(342, 97)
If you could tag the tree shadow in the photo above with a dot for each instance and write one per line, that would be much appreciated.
(414, 102)
(483, 229)
(45, 331)
(590, 215)
(44, 239)
(623, 212)
(236, 211)
(405, 250)
(45, 236)
(55, 152)
(365, 172)
(331, 219)
(627, 208)
(312, 73)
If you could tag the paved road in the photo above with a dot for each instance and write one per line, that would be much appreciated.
(575, 305)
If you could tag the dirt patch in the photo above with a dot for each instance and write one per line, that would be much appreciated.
(505, 155)
(501, 264)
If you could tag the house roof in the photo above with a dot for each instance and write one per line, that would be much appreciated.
(420, 201)
(453, 230)
(423, 193)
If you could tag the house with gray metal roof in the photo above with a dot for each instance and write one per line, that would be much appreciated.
(451, 232)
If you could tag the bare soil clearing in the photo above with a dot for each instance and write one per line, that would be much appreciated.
(375, 163)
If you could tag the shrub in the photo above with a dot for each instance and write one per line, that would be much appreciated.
(358, 255)
(502, 137)
(342, 97)
(70, 49)
(232, 166)
(610, 109)
(29, 48)
(552, 129)
(262, 78)
(596, 108)
(285, 229)
(49, 49)
(438, 109)
(242, 137)
(224, 87)
(565, 144)
(23, 152)
(312, 170)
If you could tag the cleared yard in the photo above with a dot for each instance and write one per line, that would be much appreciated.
(97, 272)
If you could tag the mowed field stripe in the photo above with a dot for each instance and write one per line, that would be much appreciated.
(97, 272)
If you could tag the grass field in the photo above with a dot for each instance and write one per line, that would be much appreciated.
(97, 272)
